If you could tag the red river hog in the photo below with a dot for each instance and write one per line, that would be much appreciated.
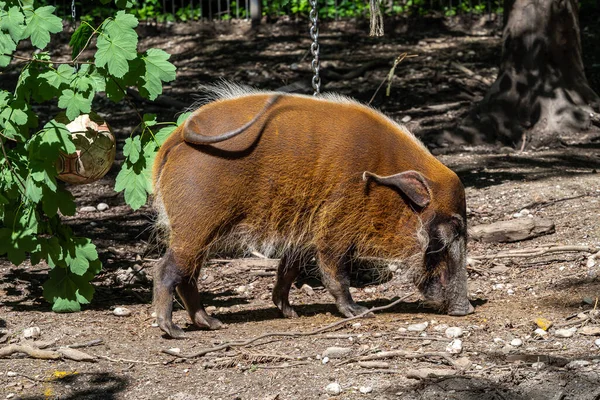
(302, 177)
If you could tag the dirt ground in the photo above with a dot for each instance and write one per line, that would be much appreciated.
(559, 184)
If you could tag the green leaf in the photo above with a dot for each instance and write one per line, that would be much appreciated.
(80, 253)
(117, 44)
(75, 103)
(56, 77)
(13, 21)
(135, 183)
(40, 23)
(16, 244)
(158, 70)
(67, 291)
(181, 119)
(80, 38)
(123, 3)
(132, 149)
(149, 119)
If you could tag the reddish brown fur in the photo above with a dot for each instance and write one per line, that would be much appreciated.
(294, 180)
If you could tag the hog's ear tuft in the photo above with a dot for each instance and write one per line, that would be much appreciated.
(411, 183)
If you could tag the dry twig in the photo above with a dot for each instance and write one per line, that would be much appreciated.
(32, 352)
(536, 252)
(285, 334)
(123, 360)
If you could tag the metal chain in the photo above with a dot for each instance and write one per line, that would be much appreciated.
(314, 47)
(74, 16)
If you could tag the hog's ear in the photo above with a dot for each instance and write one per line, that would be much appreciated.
(411, 183)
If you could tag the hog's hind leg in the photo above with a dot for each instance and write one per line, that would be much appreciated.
(334, 273)
(287, 272)
(167, 276)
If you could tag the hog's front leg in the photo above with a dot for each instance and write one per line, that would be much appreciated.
(335, 277)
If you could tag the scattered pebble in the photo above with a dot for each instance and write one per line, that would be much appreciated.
(308, 290)
(543, 323)
(324, 360)
(392, 267)
(464, 362)
(597, 343)
(365, 389)
(11, 374)
(440, 327)
(540, 333)
(10, 395)
(402, 330)
(498, 286)
(356, 325)
(240, 289)
(336, 352)
(32, 333)
(565, 333)
(87, 209)
(102, 207)
(418, 327)
(455, 347)
(510, 292)
(333, 388)
(590, 330)
(121, 312)
(406, 119)
(538, 365)
(454, 332)
(577, 364)
(370, 290)
(176, 350)
(516, 342)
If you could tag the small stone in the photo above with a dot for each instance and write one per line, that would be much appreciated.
(418, 327)
(356, 325)
(175, 350)
(582, 316)
(336, 352)
(516, 342)
(11, 374)
(597, 343)
(87, 209)
(402, 330)
(460, 54)
(308, 290)
(577, 364)
(102, 207)
(525, 212)
(590, 330)
(498, 286)
(498, 340)
(154, 325)
(440, 327)
(510, 292)
(32, 333)
(392, 267)
(121, 312)
(565, 333)
(406, 119)
(333, 388)
(589, 300)
(240, 289)
(538, 365)
(324, 360)
(365, 389)
(454, 332)
(455, 347)
(10, 395)
(540, 333)
(590, 262)
(543, 323)
(370, 290)
(464, 362)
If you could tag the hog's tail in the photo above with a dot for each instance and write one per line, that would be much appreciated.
(192, 135)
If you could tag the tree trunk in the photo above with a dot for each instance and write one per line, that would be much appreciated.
(541, 95)
(256, 11)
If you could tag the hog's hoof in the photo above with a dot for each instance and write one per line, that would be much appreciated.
(289, 312)
(352, 310)
(172, 330)
(208, 322)
(461, 311)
